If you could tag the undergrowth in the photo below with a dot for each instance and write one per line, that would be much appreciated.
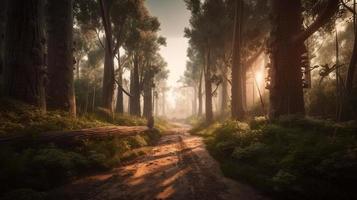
(43, 168)
(29, 172)
(290, 158)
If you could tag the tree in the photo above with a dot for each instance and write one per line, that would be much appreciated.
(286, 51)
(237, 71)
(24, 57)
(108, 77)
(3, 11)
(156, 67)
(206, 36)
(141, 30)
(60, 89)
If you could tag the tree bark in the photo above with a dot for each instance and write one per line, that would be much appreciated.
(200, 95)
(224, 97)
(194, 101)
(24, 56)
(148, 83)
(108, 77)
(237, 81)
(286, 86)
(135, 89)
(120, 95)
(60, 89)
(208, 88)
(3, 17)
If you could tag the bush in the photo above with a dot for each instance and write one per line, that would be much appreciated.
(43, 168)
(291, 158)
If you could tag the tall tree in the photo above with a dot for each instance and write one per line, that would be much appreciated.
(3, 16)
(108, 77)
(60, 89)
(237, 69)
(286, 49)
(24, 55)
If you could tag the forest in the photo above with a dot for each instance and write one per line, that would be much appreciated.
(178, 99)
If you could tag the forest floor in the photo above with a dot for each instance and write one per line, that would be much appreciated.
(178, 167)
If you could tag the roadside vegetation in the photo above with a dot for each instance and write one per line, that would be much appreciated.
(289, 158)
(28, 171)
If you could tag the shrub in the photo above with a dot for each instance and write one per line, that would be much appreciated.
(290, 157)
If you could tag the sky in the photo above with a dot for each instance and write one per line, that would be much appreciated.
(174, 17)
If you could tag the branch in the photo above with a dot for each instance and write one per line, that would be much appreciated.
(347, 7)
(122, 88)
(224, 75)
(100, 41)
(215, 90)
(324, 16)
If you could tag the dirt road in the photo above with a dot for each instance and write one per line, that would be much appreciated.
(178, 168)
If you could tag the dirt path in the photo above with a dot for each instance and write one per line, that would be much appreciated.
(179, 168)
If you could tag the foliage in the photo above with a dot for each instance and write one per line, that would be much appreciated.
(19, 118)
(42, 168)
(290, 158)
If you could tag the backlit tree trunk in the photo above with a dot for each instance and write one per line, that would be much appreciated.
(108, 77)
(3, 12)
(135, 89)
(60, 89)
(24, 55)
(194, 101)
(148, 84)
(286, 88)
(208, 88)
(120, 97)
(200, 95)
(237, 81)
(224, 97)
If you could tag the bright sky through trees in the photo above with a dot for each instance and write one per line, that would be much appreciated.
(174, 17)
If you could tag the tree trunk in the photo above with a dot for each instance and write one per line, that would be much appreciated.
(200, 95)
(108, 77)
(135, 89)
(3, 12)
(347, 110)
(94, 96)
(78, 68)
(237, 72)
(148, 83)
(208, 88)
(286, 87)
(244, 86)
(120, 95)
(194, 101)
(224, 97)
(164, 103)
(156, 96)
(24, 56)
(60, 89)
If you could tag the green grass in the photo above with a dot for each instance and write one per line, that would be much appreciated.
(290, 158)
